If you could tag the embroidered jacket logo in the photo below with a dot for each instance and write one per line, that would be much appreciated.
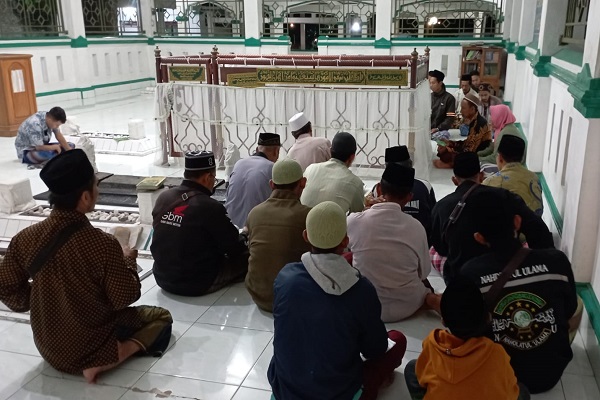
(174, 217)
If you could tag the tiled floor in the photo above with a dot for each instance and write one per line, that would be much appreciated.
(221, 344)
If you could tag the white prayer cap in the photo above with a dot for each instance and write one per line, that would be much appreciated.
(326, 225)
(298, 121)
(286, 171)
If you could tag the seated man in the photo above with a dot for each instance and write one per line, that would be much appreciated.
(390, 248)
(82, 281)
(423, 196)
(531, 310)
(487, 100)
(196, 248)
(460, 362)
(326, 316)
(275, 232)
(333, 181)
(249, 181)
(465, 89)
(443, 104)
(478, 139)
(33, 138)
(514, 176)
(307, 149)
(454, 239)
(475, 80)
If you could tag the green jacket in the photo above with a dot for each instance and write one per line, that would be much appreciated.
(489, 154)
(275, 239)
(521, 181)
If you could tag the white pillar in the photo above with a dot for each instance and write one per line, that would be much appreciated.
(383, 23)
(148, 19)
(253, 18)
(72, 12)
(591, 52)
(508, 6)
(527, 21)
(515, 21)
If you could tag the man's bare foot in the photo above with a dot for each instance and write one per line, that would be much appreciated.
(433, 301)
(91, 374)
(441, 165)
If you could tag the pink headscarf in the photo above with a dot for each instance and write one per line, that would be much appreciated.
(501, 116)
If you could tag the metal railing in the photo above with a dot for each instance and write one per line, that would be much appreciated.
(223, 18)
(451, 18)
(25, 18)
(112, 17)
(576, 22)
(307, 21)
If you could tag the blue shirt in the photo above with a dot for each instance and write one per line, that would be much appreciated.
(319, 337)
(248, 187)
(33, 132)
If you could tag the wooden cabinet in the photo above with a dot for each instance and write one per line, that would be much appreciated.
(17, 92)
(490, 61)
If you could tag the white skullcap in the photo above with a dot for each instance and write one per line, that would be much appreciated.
(326, 225)
(286, 171)
(298, 121)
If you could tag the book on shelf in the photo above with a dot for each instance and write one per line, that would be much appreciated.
(151, 183)
(473, 55)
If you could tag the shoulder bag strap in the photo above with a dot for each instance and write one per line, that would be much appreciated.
(182, 199)
(458, 209)
(49, 251)
(507, 272)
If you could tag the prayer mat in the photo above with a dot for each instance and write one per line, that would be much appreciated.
(120, 190)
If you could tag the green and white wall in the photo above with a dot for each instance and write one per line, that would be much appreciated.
(554, 92)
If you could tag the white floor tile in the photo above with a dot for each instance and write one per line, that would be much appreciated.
(580, 364)
(257, 378)
(580, 387)
(252, 394)
(17, 370)
(46, 387)
(556, 393)
(153, 386)
(5, 324)
(145, 363)
(236, 308)
(18, 338)
(396, 391)
(113, 377)
(185, 309)
(214, 353)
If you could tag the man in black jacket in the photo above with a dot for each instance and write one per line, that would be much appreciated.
(443, 104)
(196, 248)
(456, 240)
(534, 314)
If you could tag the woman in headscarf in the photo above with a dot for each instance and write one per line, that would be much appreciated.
(487, 100)
(479, 138)
(503, 123)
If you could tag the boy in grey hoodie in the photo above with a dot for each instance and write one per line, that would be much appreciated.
(326, 315)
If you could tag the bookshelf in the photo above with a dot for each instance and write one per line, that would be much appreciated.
(490, 61)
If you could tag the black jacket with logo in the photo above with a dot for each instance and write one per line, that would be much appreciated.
(442, 104)
(460, 246)
(191, 239)
(530, 316)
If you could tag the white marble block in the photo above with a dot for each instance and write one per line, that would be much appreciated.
(146, 201)
(136, 129)
(15, 195)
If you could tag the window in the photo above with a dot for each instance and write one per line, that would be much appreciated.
(25, 18)
(111, 17)
(576, 23)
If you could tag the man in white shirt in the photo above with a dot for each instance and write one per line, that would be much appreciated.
(333, 181)
(307, 149)
(390, 248)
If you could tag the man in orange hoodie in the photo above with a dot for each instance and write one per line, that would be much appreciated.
(461, 363)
